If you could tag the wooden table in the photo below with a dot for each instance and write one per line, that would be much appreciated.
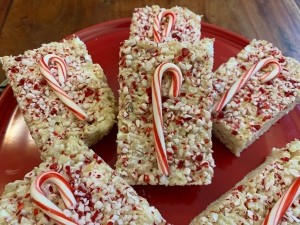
(27, 24)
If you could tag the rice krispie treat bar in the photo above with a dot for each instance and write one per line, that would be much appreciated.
(165, 140)
(61, 93)
(269, 193)
(252, 91)
(91, 193)
(161, 25)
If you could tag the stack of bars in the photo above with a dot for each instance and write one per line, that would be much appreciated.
(164, 121)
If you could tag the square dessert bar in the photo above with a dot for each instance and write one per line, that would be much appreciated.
(71, 76)
(186, 125)
(259, 102)
(100, 197)
(260, 192)
(185, 26)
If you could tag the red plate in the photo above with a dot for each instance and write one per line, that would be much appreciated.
(179, 205)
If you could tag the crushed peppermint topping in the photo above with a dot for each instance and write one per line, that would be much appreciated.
(256, 106)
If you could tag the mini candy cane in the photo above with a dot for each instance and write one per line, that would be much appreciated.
(156, 27)
(280, 207)
(45, 205)
(228, 95)
(62, 74)
(159, 140)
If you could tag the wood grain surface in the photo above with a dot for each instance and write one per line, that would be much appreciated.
(27, 24)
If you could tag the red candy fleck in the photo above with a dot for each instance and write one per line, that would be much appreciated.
(243, 67)
(240, 188)
(21, 82)
(88, 92)
(134, 86)
(54, 166)
(285, 159)
(174, 148)
(256, 126)
(94, 216)
(185, 52)
(262, 90)
(180, 164)
(220, 115)
(149, 91)
(175, 36)
(146, 178)
(267, 118)
(20, 205)
(288, 93)
(53, 111)
(234, 132)
(35, 212)
(14, 69)
(199, 157)
(43, 82)
(281, 60)
(36, 87)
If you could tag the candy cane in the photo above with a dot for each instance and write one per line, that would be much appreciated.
(159, 140)
(45, 205)
(228, 95)
(281, 206)
(52, 82)
(156, 27)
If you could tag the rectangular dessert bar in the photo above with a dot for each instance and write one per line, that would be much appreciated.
(186, 118)
(47, 116)
(257, 105)
(186, 27)
(101, 196)
(250, 200)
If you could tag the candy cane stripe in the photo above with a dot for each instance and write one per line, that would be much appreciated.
(171, 17)
(161, 157)
(228, 95)
(281, 206)
(157, 26)
(52, 82)
(44, 204)
(159, 141)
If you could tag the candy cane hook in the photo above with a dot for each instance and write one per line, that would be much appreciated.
(157, 25)
(52, 82)
(228, 95)
(45, 205)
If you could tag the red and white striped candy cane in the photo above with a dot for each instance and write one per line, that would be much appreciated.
(228, 95)
(157, 27)
(45, 205)
(52, 82)
(281, 206)
(159, 139)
